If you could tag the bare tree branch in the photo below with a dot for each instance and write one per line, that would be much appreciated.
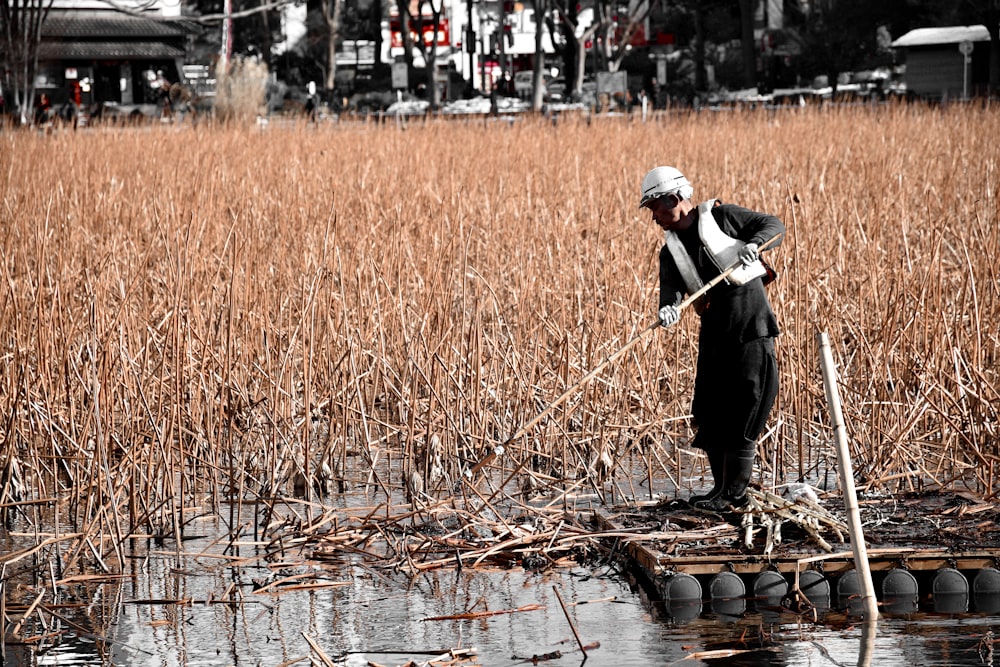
(21, 34)
(138, 10)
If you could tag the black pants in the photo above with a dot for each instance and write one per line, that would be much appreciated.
(734, 392)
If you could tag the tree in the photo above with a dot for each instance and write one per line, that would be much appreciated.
(332, 10)
(620, 24)
(563, 23)
(541, 8)
(422, 17)
(255, 27)
(842, 35)
(579, 67)
(21, 25)
(749, 44)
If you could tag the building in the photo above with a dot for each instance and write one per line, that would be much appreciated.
(91, 55)
(480, 41)
(949, 62)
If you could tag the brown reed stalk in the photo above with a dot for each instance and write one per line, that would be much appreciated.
(175, 337)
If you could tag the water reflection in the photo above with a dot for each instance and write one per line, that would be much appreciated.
(218, 608)
(384, 620)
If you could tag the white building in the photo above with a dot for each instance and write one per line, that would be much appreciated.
(453, 35)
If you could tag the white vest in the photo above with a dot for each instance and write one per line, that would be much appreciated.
(722, 249)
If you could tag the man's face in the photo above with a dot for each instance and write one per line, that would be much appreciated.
(667, 213)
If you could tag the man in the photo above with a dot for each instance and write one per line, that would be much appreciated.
(737, 375)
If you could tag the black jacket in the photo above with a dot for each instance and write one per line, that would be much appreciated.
(735, 313)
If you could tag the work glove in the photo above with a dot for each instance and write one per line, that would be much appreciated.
(669, 315)
(749, 253)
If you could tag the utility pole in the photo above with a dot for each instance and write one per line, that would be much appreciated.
(470, 44)
(502, 45)
(484, 49)
(965, 48)
(227, 39)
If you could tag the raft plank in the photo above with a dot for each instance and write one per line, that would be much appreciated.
(655, 563)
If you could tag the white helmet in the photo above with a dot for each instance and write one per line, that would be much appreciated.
(663, 181)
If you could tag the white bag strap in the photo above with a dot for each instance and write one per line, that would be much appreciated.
(723, 248)
(685, 265)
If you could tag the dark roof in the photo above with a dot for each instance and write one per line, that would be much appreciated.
(76, 50)
(94, 24)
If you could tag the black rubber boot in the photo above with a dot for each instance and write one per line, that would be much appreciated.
(717, 462)
(723, 503)
(738, 470)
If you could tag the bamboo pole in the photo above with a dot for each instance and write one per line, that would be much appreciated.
(869, 629)
(869, 603)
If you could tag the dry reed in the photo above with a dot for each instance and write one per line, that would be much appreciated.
(195, 318)
(240, 91)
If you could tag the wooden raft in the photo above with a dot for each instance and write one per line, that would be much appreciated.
(926, 532)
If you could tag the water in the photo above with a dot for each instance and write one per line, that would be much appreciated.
(365, 615)
(212, 606)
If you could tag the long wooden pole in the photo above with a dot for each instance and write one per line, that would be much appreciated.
(868, 601)
(499, 449)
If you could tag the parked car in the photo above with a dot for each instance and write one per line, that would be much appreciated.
(558, 91)
(523, 81)
(555, 90)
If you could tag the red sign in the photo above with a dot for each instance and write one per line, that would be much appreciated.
(638, 37)
(426, 26)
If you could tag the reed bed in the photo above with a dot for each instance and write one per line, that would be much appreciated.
(195, 319)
